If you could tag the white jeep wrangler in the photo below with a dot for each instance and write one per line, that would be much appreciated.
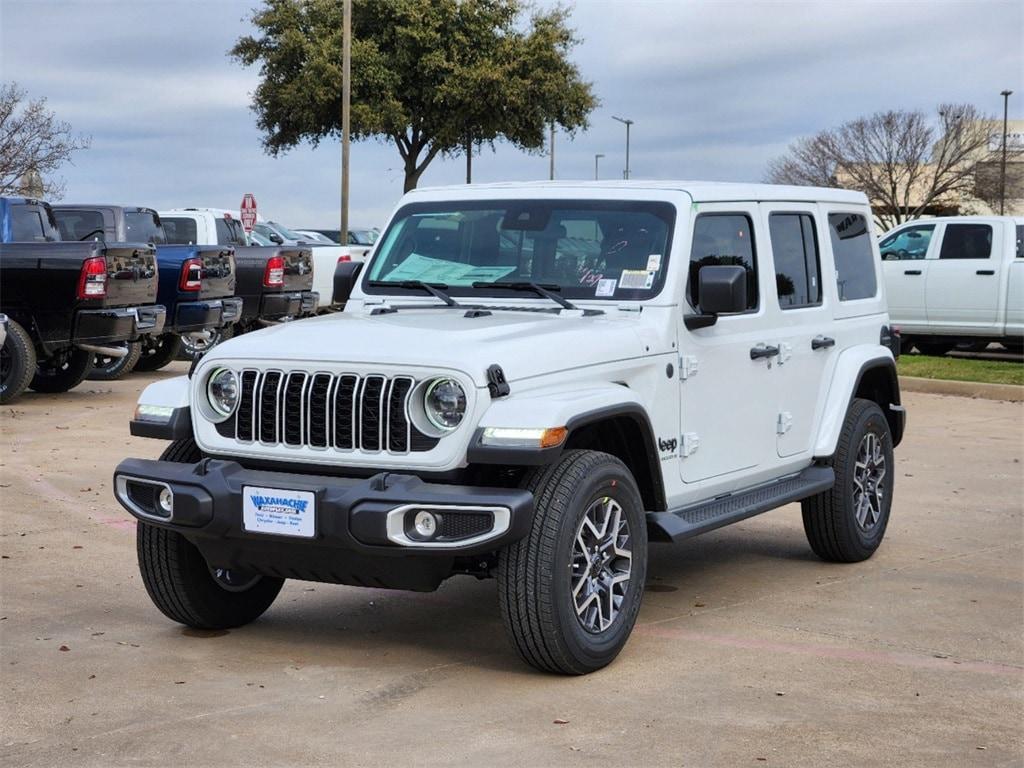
(531, 382)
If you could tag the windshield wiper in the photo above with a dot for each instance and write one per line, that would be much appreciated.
(541, 289)
(434, 289)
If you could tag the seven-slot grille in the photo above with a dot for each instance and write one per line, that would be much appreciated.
(344, 411)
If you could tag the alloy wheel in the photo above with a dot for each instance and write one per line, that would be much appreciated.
(602, 559)
(869, 481)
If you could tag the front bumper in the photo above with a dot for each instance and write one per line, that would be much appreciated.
(204, 315)
(359, 530)
(277, 306)
(102, 326)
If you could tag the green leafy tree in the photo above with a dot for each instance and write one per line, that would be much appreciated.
(430, 77)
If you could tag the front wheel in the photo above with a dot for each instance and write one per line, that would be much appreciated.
(109, 368)
(570, 591)
(181, 583)
(62, 371)
(846, 523)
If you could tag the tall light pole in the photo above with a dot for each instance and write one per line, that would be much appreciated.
(1002, 169)
(596, 158)
(627, 122)
(346, 83)
(551, 175)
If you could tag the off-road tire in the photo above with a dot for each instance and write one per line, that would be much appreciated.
(534, 577)
(158, 351)
(830, 520)
(179, 581)
(19, 362)
(62, 372)
(105, 368)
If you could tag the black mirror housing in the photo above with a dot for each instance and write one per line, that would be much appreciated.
(723, 289)
(346, 274)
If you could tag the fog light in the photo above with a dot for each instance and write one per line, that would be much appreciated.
(166, 500)
(425, 524)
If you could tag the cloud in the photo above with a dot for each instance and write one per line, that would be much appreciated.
(716, 90)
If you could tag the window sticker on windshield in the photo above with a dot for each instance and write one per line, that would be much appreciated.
(605, 287)
(654, 262)
(636, 278)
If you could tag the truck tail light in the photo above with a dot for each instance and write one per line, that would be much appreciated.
(191, 275)
(92, 282)
(343, 258)
(273, 275)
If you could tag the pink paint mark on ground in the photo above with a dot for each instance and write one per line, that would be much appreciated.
(124, 523)
(898, 658)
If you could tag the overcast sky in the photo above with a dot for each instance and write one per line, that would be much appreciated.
(716, 90)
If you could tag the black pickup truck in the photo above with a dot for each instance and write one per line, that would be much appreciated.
(197, 282)
(66, 302)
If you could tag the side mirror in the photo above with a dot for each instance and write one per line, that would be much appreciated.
(722, 291)
(276, 238)
(346, 274)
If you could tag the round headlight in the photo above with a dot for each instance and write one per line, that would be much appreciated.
(222, 392)
(444, 402)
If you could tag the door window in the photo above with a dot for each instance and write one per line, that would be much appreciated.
(795, 250)
(966, 241)
(851, 249)
(722, 239)
(908, 244)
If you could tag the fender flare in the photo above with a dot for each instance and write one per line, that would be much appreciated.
(851, 370)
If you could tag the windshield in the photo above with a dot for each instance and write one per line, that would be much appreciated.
(143, 227)
(592, 249)
(286, 233)
(362, 236)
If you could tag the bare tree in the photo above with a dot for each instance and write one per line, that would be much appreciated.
(906, 165)
(32, 141)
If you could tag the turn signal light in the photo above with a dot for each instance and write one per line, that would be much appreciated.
(92, 281)
(518, 437)
(191, 275)
(273, 275)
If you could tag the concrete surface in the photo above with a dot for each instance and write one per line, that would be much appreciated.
(748, 651)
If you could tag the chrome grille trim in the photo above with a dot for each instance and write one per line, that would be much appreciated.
(368, 413)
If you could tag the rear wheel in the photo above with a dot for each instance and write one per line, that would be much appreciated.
(181, 583)
(846, 523)
(158, 351)
(17, 362)
(62, 371)
(197, 346)
(570, 591)
(110, 368)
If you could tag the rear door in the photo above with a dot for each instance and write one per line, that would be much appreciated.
(905, 260)
(962, 284)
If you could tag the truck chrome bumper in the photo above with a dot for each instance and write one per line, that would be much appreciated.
(103, 326)
(203, 315)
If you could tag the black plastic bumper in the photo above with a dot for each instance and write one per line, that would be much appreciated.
(276, 306)
(101, 326)
(205, 315)
(350, 541)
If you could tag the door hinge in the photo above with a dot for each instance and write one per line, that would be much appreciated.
(688, 367)
(785, 352)
(785, 422)
(691, 442)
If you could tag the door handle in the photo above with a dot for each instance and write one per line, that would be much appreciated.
(822, 342)
(911, 271)
(985, 272)
(763, 350)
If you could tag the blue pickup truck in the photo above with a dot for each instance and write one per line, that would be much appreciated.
(197, 282)
(66, 302)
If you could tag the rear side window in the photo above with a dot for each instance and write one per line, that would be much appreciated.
(29, 224)
(80, 225)
(179, 231)
(851, 249)
(908, 244)
(966, 241)
(723, 240)
(795, 249)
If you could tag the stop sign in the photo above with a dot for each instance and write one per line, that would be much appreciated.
(248, 210)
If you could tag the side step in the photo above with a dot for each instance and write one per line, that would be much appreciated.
(705, 516)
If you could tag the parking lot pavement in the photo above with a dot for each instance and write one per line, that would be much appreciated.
(748, 650)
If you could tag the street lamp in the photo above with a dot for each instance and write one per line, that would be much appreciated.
(626, 122)
(1002, 170)
(596, 158)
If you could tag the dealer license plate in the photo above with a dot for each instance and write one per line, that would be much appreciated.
(279, 511)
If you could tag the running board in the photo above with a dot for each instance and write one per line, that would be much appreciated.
(707, 515)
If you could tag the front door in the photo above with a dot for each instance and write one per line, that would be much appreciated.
(905, 267)
(727, 411)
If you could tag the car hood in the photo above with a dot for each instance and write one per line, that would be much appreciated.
(523, 343)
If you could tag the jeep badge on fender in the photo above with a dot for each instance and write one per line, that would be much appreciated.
(494, 402)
